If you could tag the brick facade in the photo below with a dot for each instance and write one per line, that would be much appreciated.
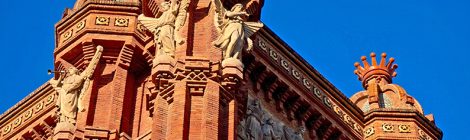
(192, 96)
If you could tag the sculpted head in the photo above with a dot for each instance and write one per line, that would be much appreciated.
(72, 71)
(237, 7)
(165, 5)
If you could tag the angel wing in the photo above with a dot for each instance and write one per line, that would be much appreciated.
(150, 23)
(219, 19)
(251, 28)
(87, 73)
(182, 14)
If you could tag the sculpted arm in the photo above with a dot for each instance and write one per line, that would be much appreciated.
(234, 14)
(59, 81)
(76, 84)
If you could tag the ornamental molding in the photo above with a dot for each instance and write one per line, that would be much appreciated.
(369, 132)
(403, 128)
(102, 20)
(387, 127)
(423, 135)
(306, 82)
(19, 115)
(121, 22)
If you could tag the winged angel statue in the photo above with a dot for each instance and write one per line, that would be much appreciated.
(71, 87)
(233, 29)
(164, 27)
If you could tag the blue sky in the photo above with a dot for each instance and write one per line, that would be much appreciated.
(430, 40)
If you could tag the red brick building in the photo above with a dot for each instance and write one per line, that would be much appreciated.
(190, 73)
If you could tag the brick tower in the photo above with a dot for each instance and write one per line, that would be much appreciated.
(123, 65)
(200, 69)
(136, 90)
(390, 112)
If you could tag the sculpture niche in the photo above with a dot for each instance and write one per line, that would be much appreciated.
(164, 27)
(234, 30)
(71, 87)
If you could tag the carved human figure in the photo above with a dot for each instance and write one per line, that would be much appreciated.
(70, 88)
(268, 130)
(164, 27)
(241, 130)
(234, 30)
(253, 121)
(293, 135)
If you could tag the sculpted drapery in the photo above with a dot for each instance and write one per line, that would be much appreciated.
(259, 124)
(70, 88)
(234, 30)
(164, 27)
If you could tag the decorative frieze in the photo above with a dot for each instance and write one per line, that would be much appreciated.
(50, 99)
(387, 127)
(404, 128)
(258, 124)
(17, 122)
(28, 114)
(67, 35)
(307, 83)
(423, 135)
(102, 20)
(80, 25)
(369, 132)
(99, 20)
(6, 129)
(121, 22)
(39, 106)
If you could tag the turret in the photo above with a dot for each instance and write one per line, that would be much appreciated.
(390, 112)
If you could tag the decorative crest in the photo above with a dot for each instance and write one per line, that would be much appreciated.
(383, 70)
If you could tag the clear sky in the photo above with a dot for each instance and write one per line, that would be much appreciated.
(430, 40)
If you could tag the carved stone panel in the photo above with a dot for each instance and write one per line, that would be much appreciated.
(258, 124)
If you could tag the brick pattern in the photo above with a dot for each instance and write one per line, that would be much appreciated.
(128, 100)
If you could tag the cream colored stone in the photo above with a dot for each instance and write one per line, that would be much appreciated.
(164, 27)
(234, 30)
(70, 88)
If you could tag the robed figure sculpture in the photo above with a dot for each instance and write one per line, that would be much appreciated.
(234, 30)
(164, 27)
(71, 87)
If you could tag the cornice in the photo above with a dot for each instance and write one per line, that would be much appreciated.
(104, 5)
(311, 71)
(403, 113)
(33, 96)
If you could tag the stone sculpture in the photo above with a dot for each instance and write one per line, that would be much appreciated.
(164, 27)
(234, 30)
(260, 125)
(253, 123)
(71, 87)
(268, 130)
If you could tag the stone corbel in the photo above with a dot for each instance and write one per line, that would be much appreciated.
(232, 73)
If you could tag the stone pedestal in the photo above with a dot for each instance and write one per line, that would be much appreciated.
(232, 73)
(64, 131)
(163, 67)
